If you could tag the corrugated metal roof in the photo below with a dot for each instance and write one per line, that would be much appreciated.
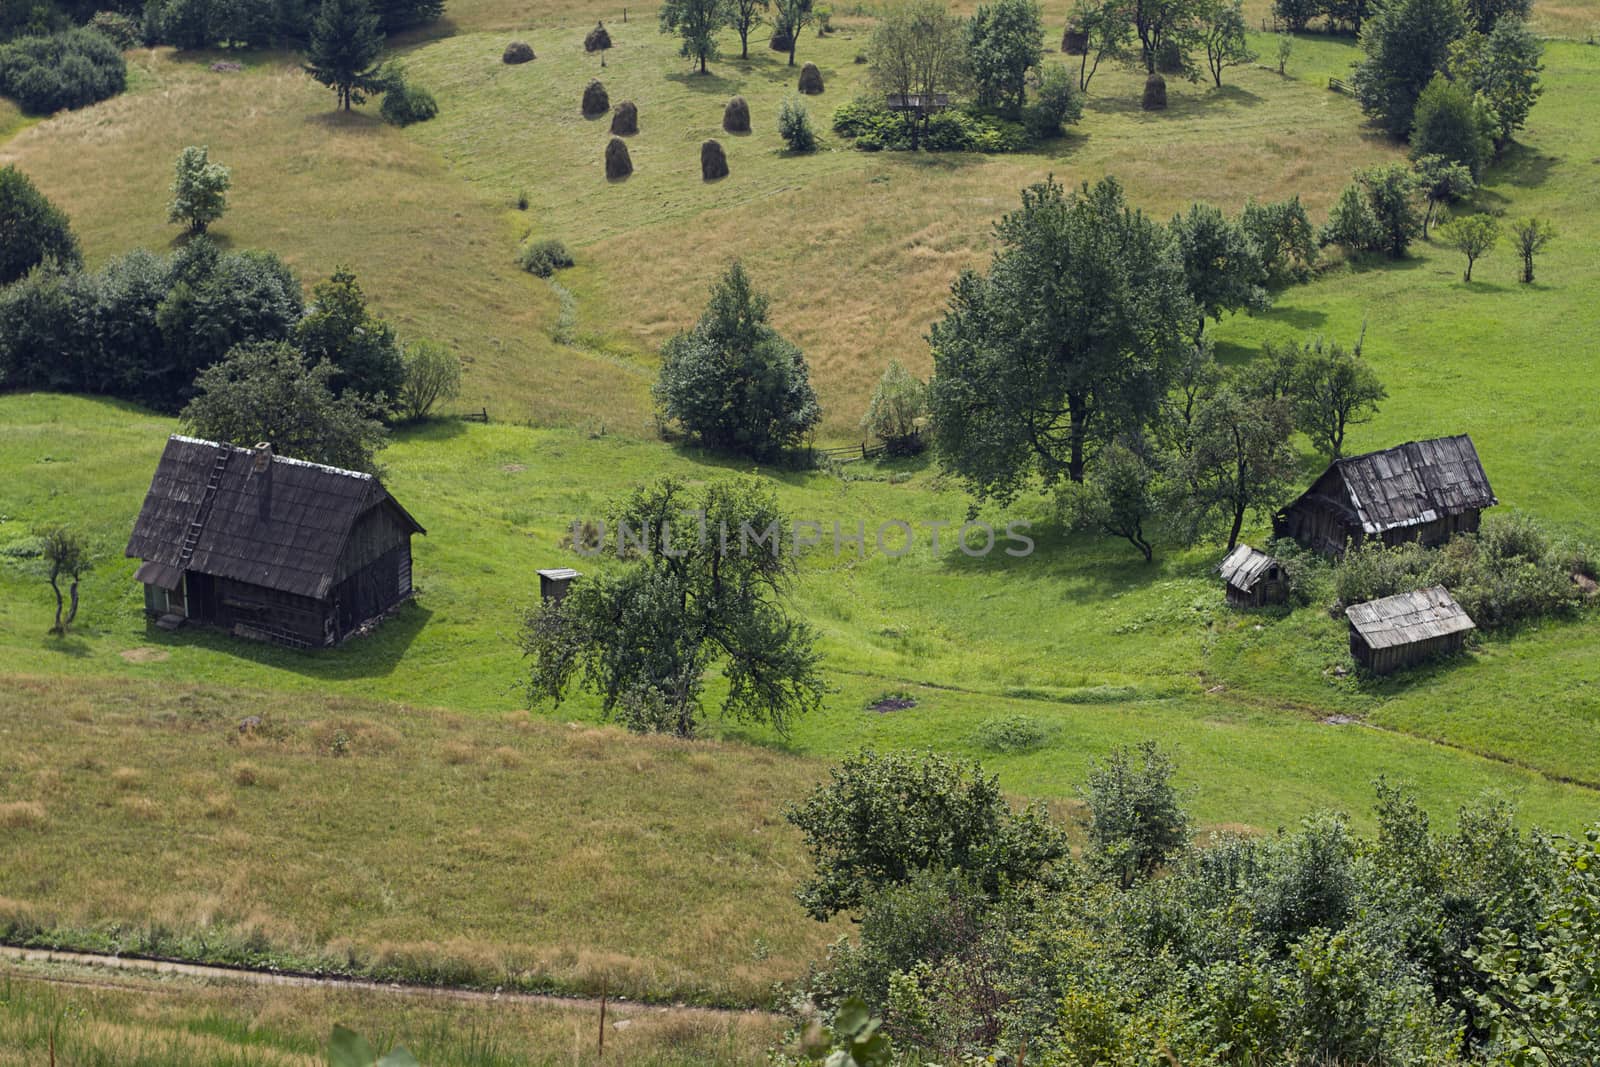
(283, 528)
(1408, 618)
(1244, 566)
(1415, 483)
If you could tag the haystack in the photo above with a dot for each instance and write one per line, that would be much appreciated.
(781, 40)
(810, 79)
(625, 119)
(713, 161)
(736, 116)
(517, 52)
(1075, 42)
(595, 100)
(1155, 93)
(597, 39)
(618, 163)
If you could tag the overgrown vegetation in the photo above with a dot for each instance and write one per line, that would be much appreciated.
(71, 69)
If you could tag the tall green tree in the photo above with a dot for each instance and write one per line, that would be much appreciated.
(1005, 40)
(1441, 182)
(1071, 338)
(1284, 238)
(733, 381)
(1502, 67)
(1135, 817)
(346, 42)
(793, 16)
(1163, 27)
(1107, 26)
(918, 50)
(267, 392)
(1403, 44)
(898, 409)
(66, 555)
(1474, 236)
(747, 15)
(1118, 496)
(341, 330)
(199, 190)
(1531, 235)
(1333, 390)
(1237, 460)
(1220, 31)
(32, 229)
(705, 586)
(1221, 265)
(696, 23)
(1448, 122)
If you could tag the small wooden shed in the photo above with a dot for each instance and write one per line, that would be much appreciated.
(1426, 491)
(1253, 578)
(553, 583)
(269, 547)
(1403, 630)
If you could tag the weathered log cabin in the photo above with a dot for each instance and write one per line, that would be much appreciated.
(1403, 630)
(1426, 491)
(269, 547)
(1253, 578)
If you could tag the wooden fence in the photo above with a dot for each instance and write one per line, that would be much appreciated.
(481, 415)
(1339, 85)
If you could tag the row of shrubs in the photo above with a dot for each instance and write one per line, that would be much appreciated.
(1510, 571)
(63, 70)
(875, 128)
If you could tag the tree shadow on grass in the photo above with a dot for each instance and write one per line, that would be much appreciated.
(709, 82)
(359, 122)
(1524, 167)
(71, 646)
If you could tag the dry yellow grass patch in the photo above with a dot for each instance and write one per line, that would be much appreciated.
(21, 815)
(127, 779)
(142, 808)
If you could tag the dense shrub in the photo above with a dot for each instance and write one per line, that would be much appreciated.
(34, 229)
(143, 325)
(1012, 733)
(794, 126)
(404, 103)
(898, 409)
(1283, 238)
(544, 257)
(65, 70)
(1508, 572)
(1448, 122)
(1056, 104)
(873, 126)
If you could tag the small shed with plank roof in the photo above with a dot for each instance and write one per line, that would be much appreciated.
(1253, 578)
(1405, 629)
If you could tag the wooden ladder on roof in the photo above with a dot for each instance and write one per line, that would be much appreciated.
(203, 511)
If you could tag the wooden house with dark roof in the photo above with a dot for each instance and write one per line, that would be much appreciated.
(269, 547)
(1253, 578)
(1426, 491)
(1403, 630)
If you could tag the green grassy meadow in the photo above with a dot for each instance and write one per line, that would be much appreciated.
(857, 251)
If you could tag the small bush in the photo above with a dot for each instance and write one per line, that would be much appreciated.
(810, 79)
(544, 257)
(625, 120)
(116, 27)
(518, 52)
(65, 70)
(736, 116)
(406, 104)
(713, 161)
(794, 126)
(595, 100)
(1057, 103)
(618, 163)
(1012, 734)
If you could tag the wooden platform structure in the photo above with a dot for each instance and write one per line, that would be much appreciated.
(1403, 630)
(1426, 491)
(269, 547)
(1253, 578)
(914, 102)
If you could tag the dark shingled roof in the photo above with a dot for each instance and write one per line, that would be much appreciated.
(1244, 566)
(1408, 618)
(1415, 483)
(284, 528)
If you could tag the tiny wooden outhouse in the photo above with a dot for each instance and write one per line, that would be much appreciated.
(1405, 629)
(1253, 578)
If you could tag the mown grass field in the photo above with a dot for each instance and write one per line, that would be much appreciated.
(98, 1017)
(857, 251)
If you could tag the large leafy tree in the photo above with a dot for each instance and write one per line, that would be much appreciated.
(1440, 181)
(199, 189)
(882, 818)
(1236, 460)
(1163, 26)
(1284, 238)
(733, 381)
(747, 15)
(346, 42)
(339, 329)
(918, 50)
(1220, 264)
(1404, 43)
(32, 229)
(1219, 30)
(705, 585)
(1135, 816)
(1118, 497)
(1449, 122)
(1502, 68)
(1333, 390)
(1072, 336)
(1107, 26)
(696, 22)
(793, 16)
(267, 392)
(1005, 40)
